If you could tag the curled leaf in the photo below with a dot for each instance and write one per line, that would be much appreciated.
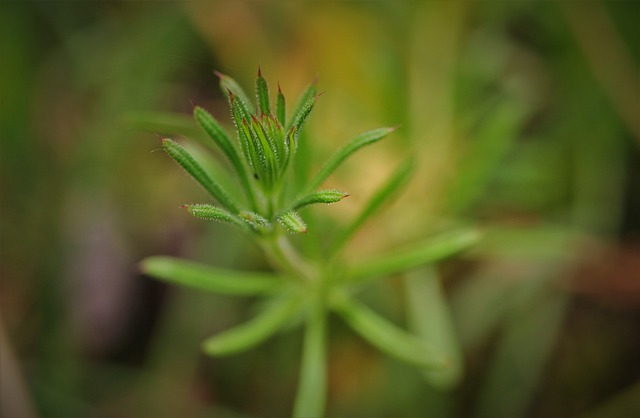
(293, 222)
(321, 196)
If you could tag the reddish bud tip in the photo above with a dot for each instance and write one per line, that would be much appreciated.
(219, 74)
(318, 95)
(184, 206)
(259, 71)
(279, 89)
(346, 195)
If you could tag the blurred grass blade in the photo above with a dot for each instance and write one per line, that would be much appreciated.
(253, 331)
(306, 95)
(387, 337)
(312, 386)
(523, 351)
(399, 178)
(228, 84)
(214, 213)
(262, 92)
(429, 318)
(166, 124)
(343, 153)
(435, 248)
(321, 196)
(182, 157)
(202, 277)
(490, 145)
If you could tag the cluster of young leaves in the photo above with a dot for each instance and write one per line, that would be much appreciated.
(262, 158)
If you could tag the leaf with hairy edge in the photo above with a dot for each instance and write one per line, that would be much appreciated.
(211, 126)
(255, 330)
(343, 153)
(293, 222)
(255, 220)
(262, 92)
(182, 157)
(321, 196)
(399, 178)
(309, 93)
(281, 111)
(214, 213)
(228, 84)
(301, 116)
(387, 337)
(434, 249)
(210, 279)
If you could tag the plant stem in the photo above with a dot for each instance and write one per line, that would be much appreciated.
(283, 256)
(312, 386)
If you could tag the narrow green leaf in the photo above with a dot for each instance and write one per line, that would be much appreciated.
(312, 386)
(220, 137)
(262, 91)
(228, 84)
(429, 318)
(214, 213)
(210, 279)
(261, 153)
(305, 97)
(281, 111)
(254, 331)
(435, 248)
(343, 153)
(399, 178)
(270, 150)
(293, 222)
(490, 145)
(303, 114)
(321, 196)
(182, 157)
(387, 337)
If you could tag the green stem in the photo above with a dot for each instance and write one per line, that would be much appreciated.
(312, 387)
(283, 256)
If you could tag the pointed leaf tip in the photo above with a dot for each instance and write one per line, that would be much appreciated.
(259, 71)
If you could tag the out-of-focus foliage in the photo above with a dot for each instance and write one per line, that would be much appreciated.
(521, 116)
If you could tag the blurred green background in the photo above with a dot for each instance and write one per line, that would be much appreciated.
(523, 117)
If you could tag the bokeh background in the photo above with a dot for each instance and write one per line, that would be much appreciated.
(523, 118)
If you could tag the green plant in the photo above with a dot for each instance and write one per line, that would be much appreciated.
(303, 288)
